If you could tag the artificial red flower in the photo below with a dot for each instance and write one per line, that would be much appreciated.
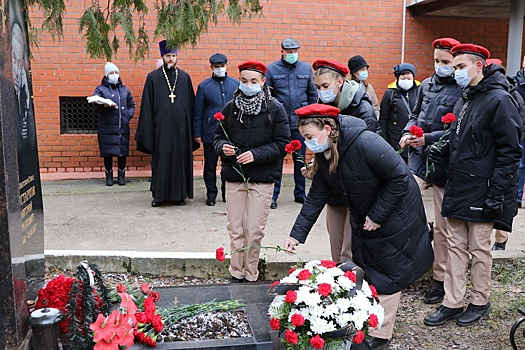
(304, 275)
(448, 118)
(275, 324)
(328, 263)
(372, 321)
(144, 288)
(317, 342)
(218, 116)
(293, 146)
(291, 296)
(297, 320)
(292, 270)
(274, 284)
(154, 295)
(325, 289)
(103, 345)
(374, 291)
(351, 276)
(359, 337)
(104, 328)
(121, 288)
(291, 337)
(416, 131)
(128, 303)
(219, 254)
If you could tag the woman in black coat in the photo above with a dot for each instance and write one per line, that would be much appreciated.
(390, 238)
(113, 122)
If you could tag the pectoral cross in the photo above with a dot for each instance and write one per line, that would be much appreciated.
(172, 97)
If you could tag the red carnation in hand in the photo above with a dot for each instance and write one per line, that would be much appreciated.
(325, 289)
(328, 263)
(275, 324)
(448, 118)
(317, 342)
(291, 297)
(218, 116)
(359, 337)
(291, 337)
(351, 276)
(293, 146)
(372, 321)
(219, 254)
(297, 320)
(374, 291)
(416, 131)
(304, 275)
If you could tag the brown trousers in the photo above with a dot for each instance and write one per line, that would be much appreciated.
(247, 214)
(440, 231)
(390, 303)
(340, 232)
(474, 238)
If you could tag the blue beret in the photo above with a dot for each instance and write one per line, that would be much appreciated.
(289, 44)
(404, 67)
(218, 58)
(164, 50)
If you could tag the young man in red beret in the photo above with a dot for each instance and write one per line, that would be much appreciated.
(251, 142)
(484, 155)
(436, 97)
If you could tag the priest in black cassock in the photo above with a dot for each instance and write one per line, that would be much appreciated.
(165, 130)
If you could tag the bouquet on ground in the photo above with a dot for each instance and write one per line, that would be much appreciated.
(323, 305)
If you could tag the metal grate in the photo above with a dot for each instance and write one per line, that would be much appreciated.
(77, 116)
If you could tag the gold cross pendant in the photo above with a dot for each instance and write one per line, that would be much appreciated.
(172, 97)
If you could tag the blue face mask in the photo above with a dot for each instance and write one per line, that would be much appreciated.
(443, 71)
(314, 146)
(363, 75)
(462, 78)
(291, 57)
(327, 95)
(250, 90)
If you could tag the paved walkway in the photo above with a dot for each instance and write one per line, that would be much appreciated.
(84, 215)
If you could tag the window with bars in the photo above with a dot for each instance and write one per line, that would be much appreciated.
(77, 116)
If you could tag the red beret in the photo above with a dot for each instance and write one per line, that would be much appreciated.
(333, 65)
(317, 110)
(494, 61)
(253, 65)
(445, 43)
(470, 49)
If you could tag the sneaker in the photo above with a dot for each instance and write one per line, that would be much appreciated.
(442, 315)
(473, 314)
(499, 246)
(435, 294)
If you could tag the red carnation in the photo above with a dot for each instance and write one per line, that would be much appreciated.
(293, 146)
(304, 275)
(448, 118)
(372, 321)
(121, 288)
(219, 254)
(416, 131)
(157, 324)
(297, 320)
(154, 295)
(317, 342)
(218, 116)
(149, 306)
(351, 276)
(325, 289)
(359, 337)
(291, 297)
(291, 337)
(275, 324)
(374, 291)
(144, 288)
(292, 270)
(274, 284)
(328, 263)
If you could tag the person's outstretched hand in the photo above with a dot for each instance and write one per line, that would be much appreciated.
(290, 244)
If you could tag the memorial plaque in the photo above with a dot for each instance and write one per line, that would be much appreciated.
(21, 214)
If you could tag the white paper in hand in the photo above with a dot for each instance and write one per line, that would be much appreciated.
(100, 100)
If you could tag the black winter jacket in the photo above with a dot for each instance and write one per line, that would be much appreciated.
(373, 181)
(484, 151)
(436, 97)
(113, 122)
(265, 135)
(394, 115)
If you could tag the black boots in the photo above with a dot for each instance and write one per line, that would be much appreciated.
(109, 177)
(442, 315)
(435, 294)
(121, 177)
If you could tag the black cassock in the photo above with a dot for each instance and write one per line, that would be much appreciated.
(165, 131)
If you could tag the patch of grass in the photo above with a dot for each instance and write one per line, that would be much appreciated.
(510, 272)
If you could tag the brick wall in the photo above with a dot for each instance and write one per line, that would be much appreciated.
(335, 29)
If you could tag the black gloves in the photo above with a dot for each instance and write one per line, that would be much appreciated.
(437, 152)
(493, 207)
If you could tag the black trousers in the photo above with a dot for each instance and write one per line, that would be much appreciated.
(108, 163)
(210, 172)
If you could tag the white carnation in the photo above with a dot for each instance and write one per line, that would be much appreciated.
(312, 264)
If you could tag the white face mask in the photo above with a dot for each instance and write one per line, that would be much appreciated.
(113, 78)
(250, 90)
(327, 95)
(462, 78)
(443, 71)
(219, 72)
(406, 84)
